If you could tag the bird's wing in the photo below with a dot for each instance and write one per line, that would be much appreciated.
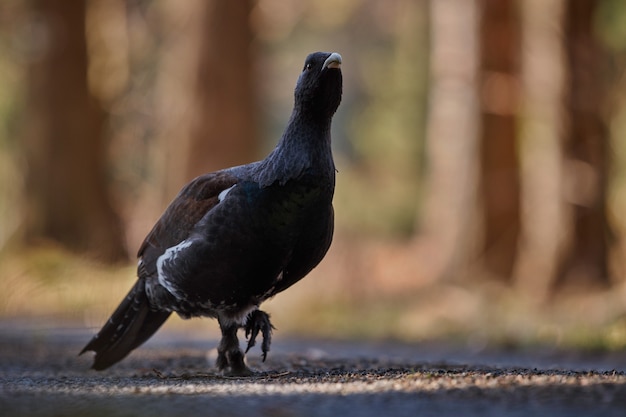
(193, 202)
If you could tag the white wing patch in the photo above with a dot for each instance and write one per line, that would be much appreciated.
(170, 255)
(221, 196)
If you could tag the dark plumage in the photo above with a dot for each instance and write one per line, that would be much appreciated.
(233, 238)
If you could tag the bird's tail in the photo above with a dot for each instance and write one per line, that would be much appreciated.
(132, 323)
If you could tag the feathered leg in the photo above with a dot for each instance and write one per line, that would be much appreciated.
(229, 355)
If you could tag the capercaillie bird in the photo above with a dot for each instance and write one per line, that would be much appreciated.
(231, 239)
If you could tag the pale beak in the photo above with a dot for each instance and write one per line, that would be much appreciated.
(333, 61)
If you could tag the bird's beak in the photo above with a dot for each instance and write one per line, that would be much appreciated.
(333, 61)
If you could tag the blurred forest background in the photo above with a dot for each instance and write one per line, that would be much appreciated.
(481, 193)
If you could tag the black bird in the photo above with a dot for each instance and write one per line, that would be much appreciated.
(231, 239)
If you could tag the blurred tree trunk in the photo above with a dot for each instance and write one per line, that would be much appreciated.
(66, 190)
(221, 129)
(451, 140)
(499, 174)
(585, 149)
(540, 144)
(225, 132)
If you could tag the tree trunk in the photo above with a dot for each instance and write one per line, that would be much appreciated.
(451, 140)
(540, 144)
(585, 149)
(221, 129)
(66, 190)
(499, 174)
(225, 132)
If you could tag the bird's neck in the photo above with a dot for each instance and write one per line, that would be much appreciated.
(304, 148)
(305, 133)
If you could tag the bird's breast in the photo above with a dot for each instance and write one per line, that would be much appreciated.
(242, 246)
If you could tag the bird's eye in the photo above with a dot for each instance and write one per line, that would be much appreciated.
(308, 67)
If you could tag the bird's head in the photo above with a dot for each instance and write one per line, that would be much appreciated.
(319, 87)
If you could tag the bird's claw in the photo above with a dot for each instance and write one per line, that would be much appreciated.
(259, 321)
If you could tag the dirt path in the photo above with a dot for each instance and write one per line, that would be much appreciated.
(40, 375)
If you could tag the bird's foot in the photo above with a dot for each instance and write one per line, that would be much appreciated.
(229, 355)
(259, 321)
(231, 363)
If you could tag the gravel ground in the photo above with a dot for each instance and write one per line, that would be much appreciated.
(40, 375)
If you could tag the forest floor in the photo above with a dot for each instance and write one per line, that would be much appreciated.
(352, 349)
(41, 374)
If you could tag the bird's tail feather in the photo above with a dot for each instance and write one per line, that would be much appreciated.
(132, 323)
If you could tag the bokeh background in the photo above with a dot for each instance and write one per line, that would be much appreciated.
(481, 192)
